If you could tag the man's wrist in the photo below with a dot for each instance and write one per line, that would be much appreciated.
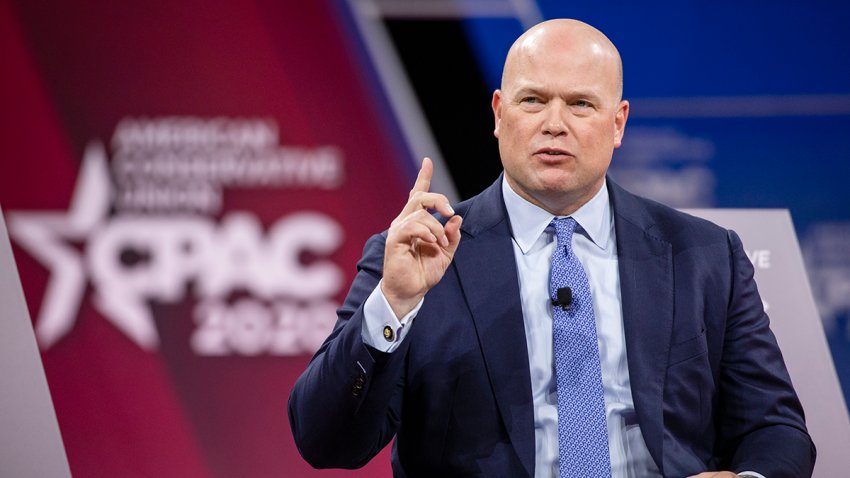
(400, 307)
(382, 329)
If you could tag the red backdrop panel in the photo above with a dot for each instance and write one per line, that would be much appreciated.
(188, 186)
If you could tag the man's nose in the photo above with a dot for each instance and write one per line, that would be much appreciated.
(554, 123)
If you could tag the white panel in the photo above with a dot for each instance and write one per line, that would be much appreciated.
(30, 443)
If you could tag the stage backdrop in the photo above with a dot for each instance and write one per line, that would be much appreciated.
(188, 186)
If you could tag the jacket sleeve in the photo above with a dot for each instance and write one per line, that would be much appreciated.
(345, 407)
(761, 424)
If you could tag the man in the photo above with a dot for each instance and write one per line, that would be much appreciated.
(562, 327)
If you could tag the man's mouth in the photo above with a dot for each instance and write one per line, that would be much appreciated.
(552, 152)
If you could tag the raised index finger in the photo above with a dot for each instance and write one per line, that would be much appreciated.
(423, 179)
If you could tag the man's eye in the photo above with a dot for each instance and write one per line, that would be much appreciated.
(583, 104)
(530, 100)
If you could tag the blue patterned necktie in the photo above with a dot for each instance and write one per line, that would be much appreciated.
(582, 429)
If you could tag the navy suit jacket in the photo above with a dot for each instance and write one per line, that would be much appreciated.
(709, 384)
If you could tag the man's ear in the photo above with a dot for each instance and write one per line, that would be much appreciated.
(620, 119)
(497, 111)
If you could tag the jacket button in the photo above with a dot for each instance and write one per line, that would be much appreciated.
(357, 388)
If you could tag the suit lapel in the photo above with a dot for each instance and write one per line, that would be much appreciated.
(487, 272)
(646, 287)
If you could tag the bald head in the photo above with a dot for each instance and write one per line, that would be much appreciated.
(563, 37)
(559, 114)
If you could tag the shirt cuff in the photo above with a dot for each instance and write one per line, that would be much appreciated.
(381, 328)
(750, 474)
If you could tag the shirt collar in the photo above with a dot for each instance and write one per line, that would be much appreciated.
(529, 221)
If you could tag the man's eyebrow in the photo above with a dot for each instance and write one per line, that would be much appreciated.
(588, 94)
(529, 90)
(572, 94)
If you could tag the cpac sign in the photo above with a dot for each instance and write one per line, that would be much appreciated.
(159, 251)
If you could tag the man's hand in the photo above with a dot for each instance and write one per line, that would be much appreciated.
(419, 249)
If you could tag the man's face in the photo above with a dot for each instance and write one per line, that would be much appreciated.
(558, 119)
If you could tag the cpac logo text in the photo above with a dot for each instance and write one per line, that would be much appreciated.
(255, 292)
